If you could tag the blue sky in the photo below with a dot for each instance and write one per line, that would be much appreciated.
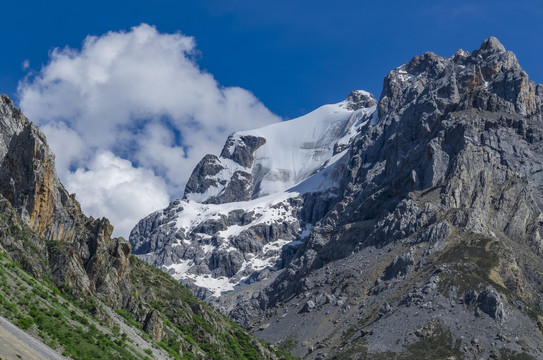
(293, 55)
(131, 94)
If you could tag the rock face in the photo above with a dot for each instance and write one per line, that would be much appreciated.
(435, 213)
(239, 187)
(450, 203)
(85, 257)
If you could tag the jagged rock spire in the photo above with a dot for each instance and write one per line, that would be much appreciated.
(489, 79)
(492, 43)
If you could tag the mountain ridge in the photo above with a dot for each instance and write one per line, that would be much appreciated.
(434, 224)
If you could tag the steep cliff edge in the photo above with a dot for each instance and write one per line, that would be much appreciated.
(67, 281)
(85, 259)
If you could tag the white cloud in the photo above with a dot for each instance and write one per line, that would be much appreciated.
(141, 96)
(112, 185)
(68, 144)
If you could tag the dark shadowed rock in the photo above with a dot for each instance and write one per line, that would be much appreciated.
(153, 325)
(241, 150)
(492, 303)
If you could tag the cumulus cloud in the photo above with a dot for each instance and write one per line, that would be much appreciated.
(111, 185)
(137, 96)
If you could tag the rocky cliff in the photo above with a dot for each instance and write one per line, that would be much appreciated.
(430, 246)
(67, 281)
(90, 261)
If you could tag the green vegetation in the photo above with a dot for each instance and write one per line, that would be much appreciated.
(507, 354)
(171, 346)
(129, 318)
(289, 344)
(440, 346)
(30, 300)
(35, 305)
(190, 323)
(286, 347)
(472, 261)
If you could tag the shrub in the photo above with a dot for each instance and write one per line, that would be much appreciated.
(25, 322)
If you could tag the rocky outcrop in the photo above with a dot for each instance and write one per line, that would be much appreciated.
(359, 99)
(241, 151)
(213, 177)
(28, 178)
(489, 301)
(83, 256)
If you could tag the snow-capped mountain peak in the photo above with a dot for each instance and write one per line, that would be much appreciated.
(276, 157)
(246, 211)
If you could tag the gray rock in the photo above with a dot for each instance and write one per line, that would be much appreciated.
(470, 297)
(430, 329)
(239, 186)
(309, 306)
(360, 99)
(153, 325)
(400, 266)
(385, 309)
(492, 303)
(200, 180)
(241, 151)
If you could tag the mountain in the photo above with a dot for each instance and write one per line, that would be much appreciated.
(66, 281)
(409, 228)
(245, 211)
